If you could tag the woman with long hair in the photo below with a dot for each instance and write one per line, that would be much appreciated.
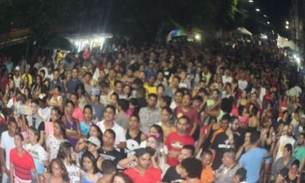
(83, 96)
(121, 178)
(54, 140)
(58, 173)
(68, 157)
(55, 116)
(36, 88)
(90, 172)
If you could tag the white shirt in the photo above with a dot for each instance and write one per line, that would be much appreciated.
(7, 143)
(282, 142)
(242, 84)
(45, 113)
(226, 79)
(119, 131)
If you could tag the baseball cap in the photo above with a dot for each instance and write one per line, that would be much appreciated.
(95, 141)
(96, 91)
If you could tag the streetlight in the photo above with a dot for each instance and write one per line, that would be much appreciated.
(257, 9)
(287, 23)
(250, 1)
(265, 16)
(287, 27)
(268, 23)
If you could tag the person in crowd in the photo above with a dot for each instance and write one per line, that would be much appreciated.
(151, 114)
(207, 175)
(58, 172)
(21, 163)
(290, 175)
(285, 161)
(7, 144)
(54, 140)
(56, 99)
(38, 153)
(71, 124)
(191, 170)
(299, 150)
(108, 152)
(134, 136)
(121, 178)
(87, 122)
(90, 172)
(172, 173)
(56, 81)
(94, 131)
(83, 96)
(252, 159)
(122, 117)
(73, 82)
(97, 106)
(166, 125)
(240, 176)
(143, 171)
(109, 123)
(78, 111)
(283, 140)
(226, 172)
(68, 157)
(109, 171)
(176, 140)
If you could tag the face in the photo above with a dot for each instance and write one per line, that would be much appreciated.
(32, 136)
(119, 87)
(133, 123)
(224, 124)
(226, 159)
(88, 114)
(55, 75)
(184, 153)
(34, 107)
(54, 115)
(178, 97)
(151, 142)
(69, 108)
(91, 147)
(182, 125)
(286, 153)
(113, 100)
(290, 130)
(74, 99)
(165, 116)
(247, 137)
(93, 132)
(301, 139)
(118, 179)
(127, 90)
(235, 125)
(144, 161)
(18, 141)
(108, 139)
(186, 100)
(294, 169)
(152, 101)
(109, 114)
(236, 179)
(74, 73)
(57, 172)
(56, 129)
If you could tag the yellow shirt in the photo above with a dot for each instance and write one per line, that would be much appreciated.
(150, 89)
(29, 77)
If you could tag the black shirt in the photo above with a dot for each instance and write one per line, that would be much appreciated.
(220, 145)
(113, 155)
(172, 176)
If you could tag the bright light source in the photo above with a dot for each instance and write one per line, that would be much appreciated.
(268, 23)
(297, 58)
(264, 36)
(265, 16)
(287, 23)
(287, 27)
(257, 9)
(198, 37)
(250, 1)
(272, 31)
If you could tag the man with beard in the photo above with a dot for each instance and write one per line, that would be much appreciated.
(283, 140)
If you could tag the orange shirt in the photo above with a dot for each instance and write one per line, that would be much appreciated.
(207, 175)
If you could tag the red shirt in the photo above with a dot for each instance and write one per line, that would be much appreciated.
(23, 165)
(175, 142)
(78, 114)
(192, 114)
(152, 175)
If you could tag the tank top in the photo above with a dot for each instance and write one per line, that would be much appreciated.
(71, 127)
(85, 179)
(50, 179)
(74, 173)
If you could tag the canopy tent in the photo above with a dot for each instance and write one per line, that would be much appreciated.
(244, 31)
(175, 33)
(285, 43)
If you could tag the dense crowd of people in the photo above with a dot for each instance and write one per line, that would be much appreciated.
(173, 113)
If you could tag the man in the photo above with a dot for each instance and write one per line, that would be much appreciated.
(284, 139)
(207, 175)
(176, 140)
(191, 170)
(97, 107)
(78, 112)
(149, 85)
(144, 171)
(36, 120)
(73, 82)
(109, 123)
(109, 169)
(222, 140)
(166, 125)
(177, 99)
(140, 96)
(87, 78)
(122, 118)
(7, 143)
(151, 114)
(17, 77)
(227, 170)
(253, 158)
(56, 81)
(285, 161)
(27, 74)
(172, 173)
(108, 152)
(190, 112)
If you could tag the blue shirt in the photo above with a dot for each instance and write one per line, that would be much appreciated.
(84, 128)
(252, 161)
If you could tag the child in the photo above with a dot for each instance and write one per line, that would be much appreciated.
(207, 175)
(240, 176)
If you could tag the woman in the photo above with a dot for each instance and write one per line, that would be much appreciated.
(83, 98)
(39, 155)
(134, 136)
(242, 102)
(85, 125)
(24, 84)
(154, 130)
(91, 173)
(54, 140)
(58, 173)
(68, 157)
(191, 170)
(28, 97)
(126, 92)
(94, 131)
(121, 178)
(36, 88)
(253, 121)
(71, 124)
(21, 163)
(289, 175)
(55, 116)
(56, 98)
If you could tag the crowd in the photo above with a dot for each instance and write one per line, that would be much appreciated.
(161, 113)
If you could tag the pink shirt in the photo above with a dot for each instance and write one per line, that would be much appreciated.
(78, 114)
(49, 129)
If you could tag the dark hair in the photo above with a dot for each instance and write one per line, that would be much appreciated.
(19, 135)
(111, 132)
(111, 107)
(75, 94)
(90, 156)
(58, 88)
(254, 137)
(124, 176)
(100, 136)
(70, 102)
(296, 163)
(160, 131)
(242, 174)
(186, 118)
(153, 95)
(65, 175)
(124, 104)
(136, 116)
(141, 91)
(64, 151)
(62, 128)
(199, 98)
(57, 109)
(190, 148)
(104, 84)
(231, 153)
(88, 107)
(193, 167)
(226, 117)
(179, 91)
(80, 86)
(167, 100)
(161, 86)
(289, 148)
(36, 132)
(168, 109)
(207, 151)
(116, 95)
(12, 120)
(35, 101)
(108, 167)
(117, 82)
